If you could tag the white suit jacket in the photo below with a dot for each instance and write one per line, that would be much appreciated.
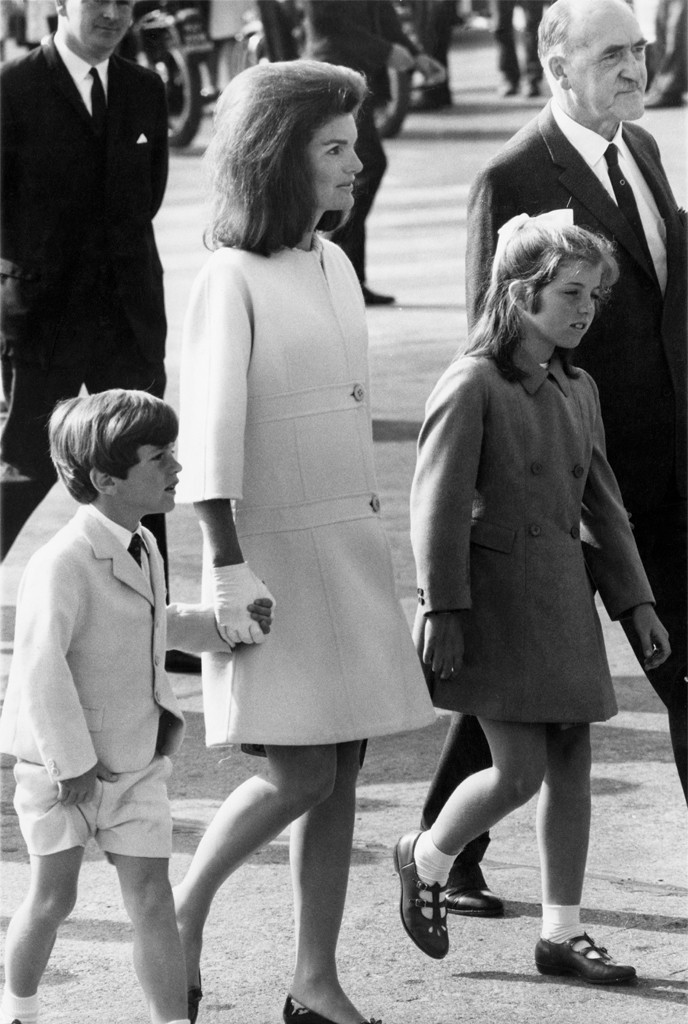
(88, 679)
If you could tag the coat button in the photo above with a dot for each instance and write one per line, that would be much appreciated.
(156, 660)
(157, 695)
(421, 600)
(534, 530)
(375, 503)
(536, 468)
(52, 768)
(358, 392)
(578, 470)
(420, 592)
(575, 532)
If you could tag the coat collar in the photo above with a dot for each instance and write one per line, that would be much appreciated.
(106, 546)
(577, 178)
(536, 375)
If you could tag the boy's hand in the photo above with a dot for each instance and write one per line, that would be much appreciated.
(235, 588)
(652, 635)
(80, 789)
(261, 612)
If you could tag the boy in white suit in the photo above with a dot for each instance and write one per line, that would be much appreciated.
(90, 713)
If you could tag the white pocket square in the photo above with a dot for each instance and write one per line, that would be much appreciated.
(141, 139)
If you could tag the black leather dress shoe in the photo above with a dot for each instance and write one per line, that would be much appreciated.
(428, 933)
(562, 958)
(375, 299)
(180, 661)
(474, 903)
(468, 893)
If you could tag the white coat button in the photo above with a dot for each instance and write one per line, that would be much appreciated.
(358, 392)
(375, 503)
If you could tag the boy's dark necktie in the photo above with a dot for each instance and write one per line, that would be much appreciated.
(625, 198)
(134, 548)
(98, 103)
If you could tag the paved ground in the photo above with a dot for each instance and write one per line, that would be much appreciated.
(635, 898)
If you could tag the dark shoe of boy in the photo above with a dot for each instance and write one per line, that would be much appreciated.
(422, 907)
(582, 957)
(468, 894)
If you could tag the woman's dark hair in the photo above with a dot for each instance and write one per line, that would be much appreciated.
(533, 256)
(263, 196)
(104, 431)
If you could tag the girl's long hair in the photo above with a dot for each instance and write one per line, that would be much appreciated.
(263, 196)
(533, 257)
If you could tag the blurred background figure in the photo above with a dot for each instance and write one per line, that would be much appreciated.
(434, 21)
(670, 79)
(507, 57)
(368, 36)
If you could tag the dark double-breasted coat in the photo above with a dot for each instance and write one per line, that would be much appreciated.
(511, 478)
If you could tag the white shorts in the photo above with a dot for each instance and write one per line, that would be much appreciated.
(130, 816)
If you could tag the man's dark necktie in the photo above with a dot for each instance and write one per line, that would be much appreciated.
(98, 104)
(134, 548)
(625, 198)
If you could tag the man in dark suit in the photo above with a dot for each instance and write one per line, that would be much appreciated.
(593, 54)
(84, 169)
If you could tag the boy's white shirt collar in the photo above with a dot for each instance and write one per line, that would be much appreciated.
(78, 68)
(120, 532)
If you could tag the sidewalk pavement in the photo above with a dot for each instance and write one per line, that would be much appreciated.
(635, 896)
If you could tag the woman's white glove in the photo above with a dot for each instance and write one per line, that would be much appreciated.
(235, 587)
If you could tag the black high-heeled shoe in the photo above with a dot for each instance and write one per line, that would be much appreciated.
(194, 994)
(298, 1014)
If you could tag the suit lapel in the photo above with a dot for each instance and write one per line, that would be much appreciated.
(106, 546)
(64, 82)
(577, 178)
(661, 191)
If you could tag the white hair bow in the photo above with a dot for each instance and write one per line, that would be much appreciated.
(551, 219)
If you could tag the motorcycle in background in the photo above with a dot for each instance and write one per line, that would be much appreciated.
(171, 38)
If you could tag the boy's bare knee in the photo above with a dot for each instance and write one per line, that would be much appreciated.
(53, 906)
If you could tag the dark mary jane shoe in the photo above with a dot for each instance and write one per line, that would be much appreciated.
(598, 969)
(194, 994)
(295, 1013)
(428, 933)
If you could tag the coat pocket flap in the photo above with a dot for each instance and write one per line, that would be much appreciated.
(491, 535)
(10, 269)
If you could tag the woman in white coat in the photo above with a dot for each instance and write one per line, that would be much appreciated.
(275, 418)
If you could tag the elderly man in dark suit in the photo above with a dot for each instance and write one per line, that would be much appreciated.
(583, 153)
(84, 169)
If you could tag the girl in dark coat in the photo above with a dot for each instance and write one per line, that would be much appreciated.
(512, 480)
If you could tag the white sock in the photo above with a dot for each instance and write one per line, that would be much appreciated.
(23, 1008)
(560, 923)
(431, 864)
